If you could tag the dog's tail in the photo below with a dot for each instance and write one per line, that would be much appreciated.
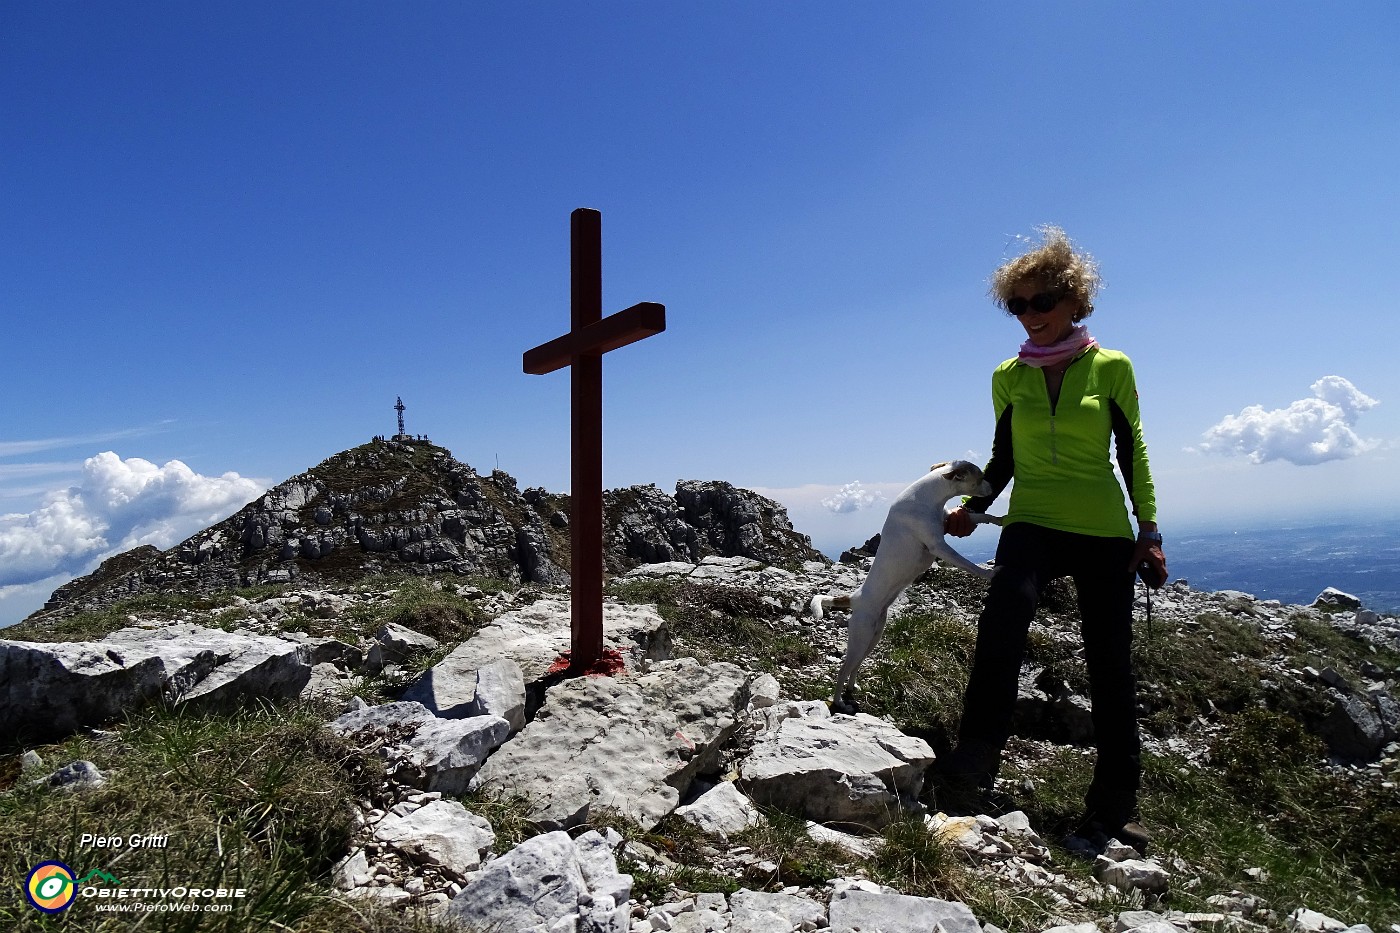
(822, 603)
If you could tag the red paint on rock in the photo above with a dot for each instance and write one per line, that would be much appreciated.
(610, 664)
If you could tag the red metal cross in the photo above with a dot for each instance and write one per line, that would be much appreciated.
(590, 336)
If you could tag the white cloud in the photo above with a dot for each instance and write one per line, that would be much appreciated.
(116, 505)
(1309, 431)
(852, 497)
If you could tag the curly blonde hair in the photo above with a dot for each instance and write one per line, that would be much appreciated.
(1055, 263)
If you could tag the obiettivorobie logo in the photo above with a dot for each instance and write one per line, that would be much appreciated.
(51, 886)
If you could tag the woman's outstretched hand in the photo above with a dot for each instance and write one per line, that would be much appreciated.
(958, 522)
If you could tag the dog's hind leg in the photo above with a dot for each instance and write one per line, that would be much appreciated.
(866, 625)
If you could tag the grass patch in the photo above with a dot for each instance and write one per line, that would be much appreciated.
(673, 838)
(915, 861)
(782, 840)
(1321, 843)
(1271, 763)
(423, 605)
(1265, 802)
(258, 799)
(97, 624)
(1320, 645)
(1200, 669)
(714, 622)
(1060, 778)
(918, 675)
(508, 814)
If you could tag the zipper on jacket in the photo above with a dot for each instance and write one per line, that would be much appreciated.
(1054, 404)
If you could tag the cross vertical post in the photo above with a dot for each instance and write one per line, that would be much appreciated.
(590, 336)
(586, 442)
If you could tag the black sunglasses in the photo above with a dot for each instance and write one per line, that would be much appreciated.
(1042, 302)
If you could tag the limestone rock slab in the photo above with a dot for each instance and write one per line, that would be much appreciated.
(533, 637)
(860, 846)
(794, 910)
(395, 644)
(633, 743)
(388, 722)
(1305, 920)
(1131, 874)
(55, 688)
(423, 750)
(723, 811)
(542, 885)
(1333, 598)
(446, 753)
(442, 833)
(766, 691)
(855, 910)
(845, 769)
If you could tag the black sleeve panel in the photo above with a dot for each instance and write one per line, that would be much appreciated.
(1123, 447)
(1000, 468)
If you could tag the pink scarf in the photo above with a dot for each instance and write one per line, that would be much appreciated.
(1077, 342)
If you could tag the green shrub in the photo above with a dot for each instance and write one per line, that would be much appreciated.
(915, 861)
(417, 604)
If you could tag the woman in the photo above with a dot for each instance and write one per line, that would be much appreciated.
(1058, 404)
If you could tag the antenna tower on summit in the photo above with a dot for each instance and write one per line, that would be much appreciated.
(398, 407)
(401, 437)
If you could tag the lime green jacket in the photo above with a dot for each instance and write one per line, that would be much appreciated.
(1060, 454)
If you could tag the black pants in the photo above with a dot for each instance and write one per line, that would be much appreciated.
(1028, 557)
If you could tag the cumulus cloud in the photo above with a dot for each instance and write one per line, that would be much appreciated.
(116, 505)
(1309, 431)
(852, 497)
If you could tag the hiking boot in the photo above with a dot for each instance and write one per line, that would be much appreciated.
(1099, 833)
(1132, 833)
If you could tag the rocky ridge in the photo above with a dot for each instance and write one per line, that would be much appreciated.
(410, 507)
(707, 741)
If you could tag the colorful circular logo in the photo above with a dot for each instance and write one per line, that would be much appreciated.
(50, 887)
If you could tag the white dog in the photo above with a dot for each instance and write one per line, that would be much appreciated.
(910, 540)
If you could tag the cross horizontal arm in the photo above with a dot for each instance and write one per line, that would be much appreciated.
(615, 330)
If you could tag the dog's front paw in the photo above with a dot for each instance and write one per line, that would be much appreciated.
(845, 702)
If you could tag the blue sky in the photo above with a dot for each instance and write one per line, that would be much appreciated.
(235, 232)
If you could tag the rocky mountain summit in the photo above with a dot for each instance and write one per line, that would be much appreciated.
(510, 798)
(354, 686)
(409, 506)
